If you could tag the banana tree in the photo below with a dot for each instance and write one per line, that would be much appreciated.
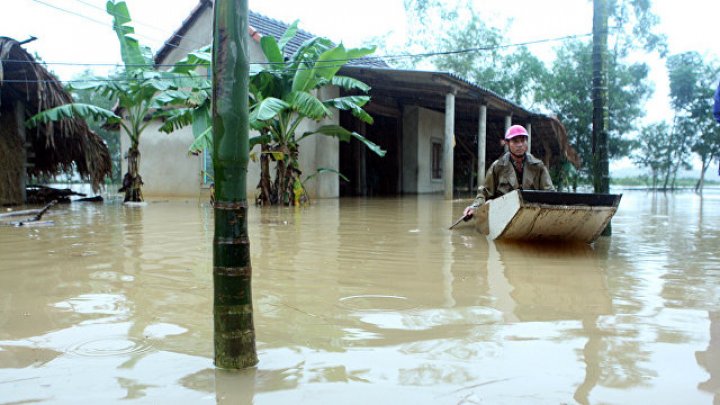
(143, 93)
(284, 93)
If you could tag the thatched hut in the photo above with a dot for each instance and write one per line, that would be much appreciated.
(66, 146)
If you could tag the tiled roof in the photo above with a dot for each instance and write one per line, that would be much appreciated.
(269, 26)
(258, 24)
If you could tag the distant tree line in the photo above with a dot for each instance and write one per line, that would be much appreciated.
(562, 87)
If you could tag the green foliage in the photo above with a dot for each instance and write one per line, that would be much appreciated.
(73, 110)
(567, 91)
(646, 181)
(692, 82)
(111, 138)
(654, 150)
(287, 92)
(141, 92)
(564, 88)
(634, 27)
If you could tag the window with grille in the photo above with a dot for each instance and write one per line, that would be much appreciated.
(436, 160)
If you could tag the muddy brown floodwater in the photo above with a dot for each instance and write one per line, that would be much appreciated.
(364, 301)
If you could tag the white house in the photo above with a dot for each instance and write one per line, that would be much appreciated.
(439, 130)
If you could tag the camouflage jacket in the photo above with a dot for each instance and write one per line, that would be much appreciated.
(501, 178)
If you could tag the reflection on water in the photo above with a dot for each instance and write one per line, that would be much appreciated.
(361, 301)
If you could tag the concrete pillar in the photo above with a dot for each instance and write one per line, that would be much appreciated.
(448, 153)
(528, 128)
(482, 140)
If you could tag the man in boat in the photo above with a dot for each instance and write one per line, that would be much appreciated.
(516, 169)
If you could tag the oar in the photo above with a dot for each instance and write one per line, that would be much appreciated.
(464, 218)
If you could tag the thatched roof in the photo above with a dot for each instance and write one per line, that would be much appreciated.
(57, 147)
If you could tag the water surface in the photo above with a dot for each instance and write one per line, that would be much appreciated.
(364, 301)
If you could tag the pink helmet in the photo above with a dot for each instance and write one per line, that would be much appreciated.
(515, 130)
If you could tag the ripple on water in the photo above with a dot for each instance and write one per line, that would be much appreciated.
(109, 346)
(377, 302)
(104, 304)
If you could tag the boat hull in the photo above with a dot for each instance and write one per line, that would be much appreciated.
(544, 215)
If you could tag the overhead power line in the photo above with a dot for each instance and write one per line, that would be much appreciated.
(105, 24)
(142, 24)
(342, 61)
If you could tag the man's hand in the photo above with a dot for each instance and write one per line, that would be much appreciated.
(469, 211)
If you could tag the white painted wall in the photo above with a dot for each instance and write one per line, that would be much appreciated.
(167, 170)
(165, 166)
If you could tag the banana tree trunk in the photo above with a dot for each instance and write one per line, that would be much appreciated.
(281, 188)
(132, 182)
(265, 184)
(232, 273)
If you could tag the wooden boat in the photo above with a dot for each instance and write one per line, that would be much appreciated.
(547, 215)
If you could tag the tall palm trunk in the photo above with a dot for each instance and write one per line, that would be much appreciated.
(232, 272)
(601, 166)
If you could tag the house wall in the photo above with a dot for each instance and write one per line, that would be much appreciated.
(420, 127)
(165, 165)
(167, 170)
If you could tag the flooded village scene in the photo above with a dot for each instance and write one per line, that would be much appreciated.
(252, 212)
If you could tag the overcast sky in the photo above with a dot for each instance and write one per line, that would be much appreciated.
(75, 32)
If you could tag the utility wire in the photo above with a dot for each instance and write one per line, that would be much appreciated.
(343, 61)
(139, 23)
(371, 58)
(105, 24)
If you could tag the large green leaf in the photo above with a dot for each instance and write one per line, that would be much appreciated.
(309, 51)
(73, 110)
(202, 130)
(352, 103)
(330, 130)
(304, 77)
(355, 53)
(202, 119)
(271, 50)
(130, 50)
(176, 97)
(266, 84)
(203, 141)
(199, 58)
(288, 35)
(268, 109)
(308, 105)
(349, 83)
(325, 66)
(344, 135)
(259, 140)
(344, 103)
(370, 145)
(321, 170)
(175, 119)
(330, 61)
